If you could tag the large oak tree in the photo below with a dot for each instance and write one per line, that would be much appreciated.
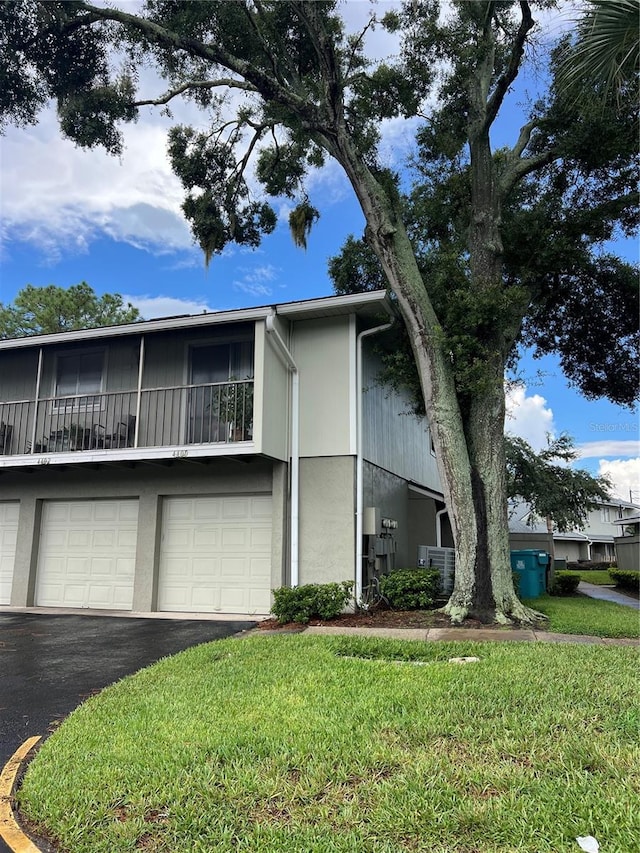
(303, 92)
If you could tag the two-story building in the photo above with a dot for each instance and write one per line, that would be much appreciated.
(594, 542)
(192, 464)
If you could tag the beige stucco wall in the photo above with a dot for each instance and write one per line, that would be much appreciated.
(327, 519)
(324, 351)
(148, 484)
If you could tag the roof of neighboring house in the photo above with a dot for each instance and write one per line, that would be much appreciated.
(538, 529)
(369, 305)
(619, 502)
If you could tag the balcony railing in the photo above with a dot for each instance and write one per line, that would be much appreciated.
(216, 413)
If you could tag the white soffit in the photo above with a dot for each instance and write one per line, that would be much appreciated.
(426, 493)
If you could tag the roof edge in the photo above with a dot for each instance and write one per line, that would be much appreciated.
(350, 302)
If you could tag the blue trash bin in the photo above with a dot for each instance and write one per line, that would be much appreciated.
(530, 565)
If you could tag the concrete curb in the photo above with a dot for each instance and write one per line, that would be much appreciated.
(10, 832)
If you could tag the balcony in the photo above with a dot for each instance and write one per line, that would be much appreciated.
(207, 417)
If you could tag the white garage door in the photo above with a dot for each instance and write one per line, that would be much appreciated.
(9, 512)
(87, 554)
(216, 555)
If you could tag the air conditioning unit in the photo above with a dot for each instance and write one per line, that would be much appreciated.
(443, 559)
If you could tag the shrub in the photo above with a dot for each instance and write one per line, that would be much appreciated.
(515, 577)
(626, 578)
(311, 601)
(565, 584)
(591, 565)
(411, 589)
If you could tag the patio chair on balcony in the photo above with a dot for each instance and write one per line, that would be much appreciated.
(123, 436)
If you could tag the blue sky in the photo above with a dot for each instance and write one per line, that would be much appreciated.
(70, 215)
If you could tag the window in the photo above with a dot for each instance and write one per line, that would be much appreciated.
(605, 513)
(216, 405)
(222, 363)
(78, 374)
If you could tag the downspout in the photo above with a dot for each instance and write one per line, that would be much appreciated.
(359, 459)
(439, 515)
(287, 358)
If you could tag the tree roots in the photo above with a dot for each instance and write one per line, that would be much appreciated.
(511, 613)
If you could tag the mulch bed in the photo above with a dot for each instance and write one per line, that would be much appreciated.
(382, 618)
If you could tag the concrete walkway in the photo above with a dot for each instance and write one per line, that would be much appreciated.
(523, 635)
(471, 635)
(608, 593)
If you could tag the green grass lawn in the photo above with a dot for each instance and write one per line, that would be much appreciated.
(295, 744)
(598, 576)
(578, 614)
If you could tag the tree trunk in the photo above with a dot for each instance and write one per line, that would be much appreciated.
(467, 428)
(483, 585)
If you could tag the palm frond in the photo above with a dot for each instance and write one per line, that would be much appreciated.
(606, 52)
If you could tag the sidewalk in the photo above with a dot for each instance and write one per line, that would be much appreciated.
(471, 635)
(607, 593)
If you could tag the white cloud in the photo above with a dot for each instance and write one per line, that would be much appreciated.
(153, 307)
(57, 196)
(255, 280)
(608, 447)
(624, 475)
(528, 417)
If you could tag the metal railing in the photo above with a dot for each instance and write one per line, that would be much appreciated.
(213, 413)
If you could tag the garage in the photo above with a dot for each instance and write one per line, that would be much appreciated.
(87, 554)
(9, 511)
(215, 555)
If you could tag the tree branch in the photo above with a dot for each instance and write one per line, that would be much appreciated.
(522, 167)
(239, 170)
(307, 11)
(196, 84)
(258, 32)
(269, 87)
(517, 52)
(357, 42)
(524, 138)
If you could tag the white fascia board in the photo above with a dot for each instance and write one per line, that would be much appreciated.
(128, 454)
(336, 305)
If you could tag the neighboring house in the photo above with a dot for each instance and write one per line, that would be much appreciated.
(192, 464)
(627, 541)
(594, 542)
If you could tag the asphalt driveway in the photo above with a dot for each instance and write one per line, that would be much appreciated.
(50, 663)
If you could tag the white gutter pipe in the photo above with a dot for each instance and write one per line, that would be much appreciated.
(359, 460)
(288, 360)
(439, 515)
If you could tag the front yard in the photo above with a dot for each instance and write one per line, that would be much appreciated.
(294, 744)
